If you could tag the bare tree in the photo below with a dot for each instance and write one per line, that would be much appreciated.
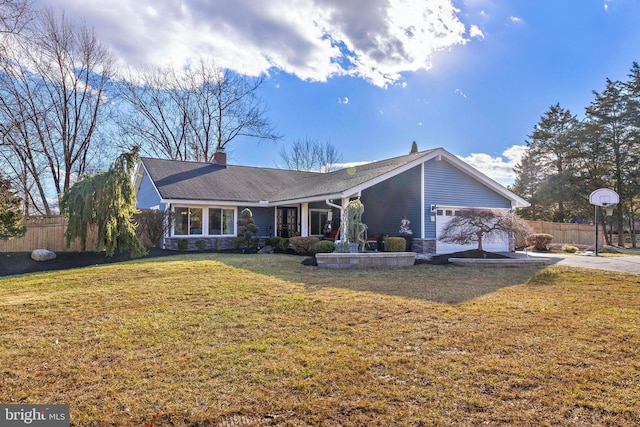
(475, 225)
(14, 15)
(52, 99)
(190, 114)
(309, 154)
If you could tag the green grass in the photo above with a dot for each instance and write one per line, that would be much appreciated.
(262, 340)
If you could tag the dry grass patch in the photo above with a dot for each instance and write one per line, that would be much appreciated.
(262, 340)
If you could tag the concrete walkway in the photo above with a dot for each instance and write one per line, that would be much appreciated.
(624, 264)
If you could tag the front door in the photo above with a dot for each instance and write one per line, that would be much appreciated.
(287, 222)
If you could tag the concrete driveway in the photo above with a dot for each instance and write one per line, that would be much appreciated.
(624, 264)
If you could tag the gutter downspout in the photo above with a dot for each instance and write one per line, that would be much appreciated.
(342, 222)
(164, 246)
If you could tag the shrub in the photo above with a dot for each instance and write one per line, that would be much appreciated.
(279, 244)
(540, 241)
(183, 244)
(272, 241)
(570, 249)
(246, 229)
(283, 246)
(325, 246)
(201, 244)
(304, 245)
(395, 244)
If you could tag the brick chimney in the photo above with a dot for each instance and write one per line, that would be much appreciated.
(220, 157)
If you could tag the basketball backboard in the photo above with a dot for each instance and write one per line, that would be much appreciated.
(604, 197)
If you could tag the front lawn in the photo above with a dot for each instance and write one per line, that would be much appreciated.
(231, 340)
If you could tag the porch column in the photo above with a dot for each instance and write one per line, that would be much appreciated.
(304, 219)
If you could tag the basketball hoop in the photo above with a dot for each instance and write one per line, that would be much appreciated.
(603, 198)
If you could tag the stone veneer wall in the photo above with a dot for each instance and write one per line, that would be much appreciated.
(212, 243)
(366, 260)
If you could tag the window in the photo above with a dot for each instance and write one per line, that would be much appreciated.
(221, 221)
(188, 221)
(319, 220)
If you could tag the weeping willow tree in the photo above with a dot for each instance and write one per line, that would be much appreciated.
(106, 200)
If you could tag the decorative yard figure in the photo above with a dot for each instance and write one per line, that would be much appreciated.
(405, 225)
(405, 231)
(356, 230)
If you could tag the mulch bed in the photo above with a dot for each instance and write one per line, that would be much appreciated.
(14, 263)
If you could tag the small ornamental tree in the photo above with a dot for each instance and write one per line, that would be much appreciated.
(106, 200)
(246, 228)
(154, 224)
(10, 214)
(475, 225)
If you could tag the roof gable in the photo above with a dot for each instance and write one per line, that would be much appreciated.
(196, 181)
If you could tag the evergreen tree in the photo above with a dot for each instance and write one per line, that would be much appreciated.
(610, 117)
(414, 148)
(246, 228)
(10, 214)
(527, 185)
(553, 144)
(632, 87)
(106, 200)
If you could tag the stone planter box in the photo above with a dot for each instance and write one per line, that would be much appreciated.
(366, 260)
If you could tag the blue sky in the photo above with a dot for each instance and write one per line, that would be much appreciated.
(371, 76)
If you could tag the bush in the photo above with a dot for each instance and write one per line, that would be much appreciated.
(395, 244)
(201, 244)
(246, 229)
(570, 249)
(540, 241)
(279, 244)
(183, 244)
(304, 245)
(272, 241)
(325, 246)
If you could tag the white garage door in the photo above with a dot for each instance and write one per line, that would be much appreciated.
(498, 242)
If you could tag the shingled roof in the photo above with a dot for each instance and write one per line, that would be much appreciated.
(180, 180)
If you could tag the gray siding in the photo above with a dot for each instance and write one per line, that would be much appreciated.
(263, 218)
(385, 204)
(147, 195)
(445, 185)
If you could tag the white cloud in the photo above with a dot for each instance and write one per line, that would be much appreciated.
(375, 40)
(344, 100)
(515, 19)
(498, 168)
(461, 93)
(475, 32)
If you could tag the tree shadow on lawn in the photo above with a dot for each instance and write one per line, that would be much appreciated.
(438, 283)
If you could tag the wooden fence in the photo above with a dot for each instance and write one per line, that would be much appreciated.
(576, 234)
(46, 232)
